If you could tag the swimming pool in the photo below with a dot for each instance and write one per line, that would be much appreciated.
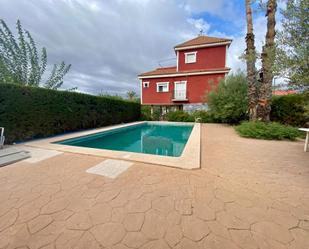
(149, 138)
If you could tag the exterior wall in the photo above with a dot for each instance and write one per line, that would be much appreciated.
(206, 58)
(195, 107)
(197, 85)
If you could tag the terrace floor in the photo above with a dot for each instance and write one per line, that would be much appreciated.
(248, 194)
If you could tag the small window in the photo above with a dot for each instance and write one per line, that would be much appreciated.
(190, 57)
(146, 84)
(162, 87)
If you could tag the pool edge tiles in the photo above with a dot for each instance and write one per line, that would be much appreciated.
(189, 159)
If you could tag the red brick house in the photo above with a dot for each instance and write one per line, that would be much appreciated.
(201, 63)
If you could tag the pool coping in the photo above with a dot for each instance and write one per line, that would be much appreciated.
(189, 159)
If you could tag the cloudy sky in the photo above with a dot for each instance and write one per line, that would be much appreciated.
(109, 42)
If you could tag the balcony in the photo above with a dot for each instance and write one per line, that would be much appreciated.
(180, 95)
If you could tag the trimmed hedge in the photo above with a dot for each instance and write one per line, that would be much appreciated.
(268, 131)
(31, 112)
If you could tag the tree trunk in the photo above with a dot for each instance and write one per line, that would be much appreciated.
(250, 61)
(268, 55)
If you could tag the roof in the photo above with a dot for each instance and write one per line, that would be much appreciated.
(202, 40)
(172, 70)
(160, 70)
(283, 92)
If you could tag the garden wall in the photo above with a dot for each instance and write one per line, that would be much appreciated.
(31, 112)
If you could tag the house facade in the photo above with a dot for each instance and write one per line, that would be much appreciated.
(200, 65)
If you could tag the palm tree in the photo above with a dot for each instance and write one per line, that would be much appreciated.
(131, 95)
(268, 56)
(250, 61)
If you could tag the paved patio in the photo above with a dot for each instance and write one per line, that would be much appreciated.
(248, 194)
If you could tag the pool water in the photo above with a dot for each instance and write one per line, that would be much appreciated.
(149, 138)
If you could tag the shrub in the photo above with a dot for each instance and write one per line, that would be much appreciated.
(289, 109)
(229, 103)
(203, 116)
(29, 112)
(179, 116)
(269, 131)
(156, 113)
(146, 112)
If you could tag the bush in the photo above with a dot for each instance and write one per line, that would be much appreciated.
(156, 115)
(28, 112)
(269, 131)
(290, 110)
(229, 103)
(203, 116)
(179, 116)
(146, 113)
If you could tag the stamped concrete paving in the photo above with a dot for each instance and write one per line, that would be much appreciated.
(248, 194)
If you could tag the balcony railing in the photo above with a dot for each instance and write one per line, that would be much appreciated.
(180, 95)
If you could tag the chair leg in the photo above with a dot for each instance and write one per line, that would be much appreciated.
(306, 142)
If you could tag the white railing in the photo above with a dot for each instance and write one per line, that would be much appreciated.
(180, 94)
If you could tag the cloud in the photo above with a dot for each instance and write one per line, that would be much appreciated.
(110, 42)
(213, 7)
(200, 24)
(238, 45)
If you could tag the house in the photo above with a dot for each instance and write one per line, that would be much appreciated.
(200, 65)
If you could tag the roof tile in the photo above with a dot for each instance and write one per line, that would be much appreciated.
(172, 70)
(202, 40)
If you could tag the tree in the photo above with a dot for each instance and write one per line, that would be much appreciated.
(229, 103)
(268, 55)
(131, 95)
(293, 45)
(20, 62)
(250, 61)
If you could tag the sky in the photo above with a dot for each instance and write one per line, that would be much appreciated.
(110, 42)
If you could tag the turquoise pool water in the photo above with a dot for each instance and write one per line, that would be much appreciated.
(149, 138)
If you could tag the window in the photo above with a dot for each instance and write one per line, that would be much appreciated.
(162, 87)
(146, 84)
(190, 57)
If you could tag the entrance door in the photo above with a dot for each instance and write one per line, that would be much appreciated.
(180, 90)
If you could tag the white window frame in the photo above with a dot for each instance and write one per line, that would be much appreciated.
(177, 61)
(146, 84)
(163, 84)
(190, 53)
(181, 82)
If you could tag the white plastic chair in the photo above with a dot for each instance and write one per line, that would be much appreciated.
(307, 137)
(2, 137)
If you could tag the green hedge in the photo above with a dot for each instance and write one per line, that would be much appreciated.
(290, 109)
(28, 112)
(269, 131)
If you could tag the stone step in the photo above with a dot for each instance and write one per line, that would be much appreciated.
(14, 157)
(9, 151)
